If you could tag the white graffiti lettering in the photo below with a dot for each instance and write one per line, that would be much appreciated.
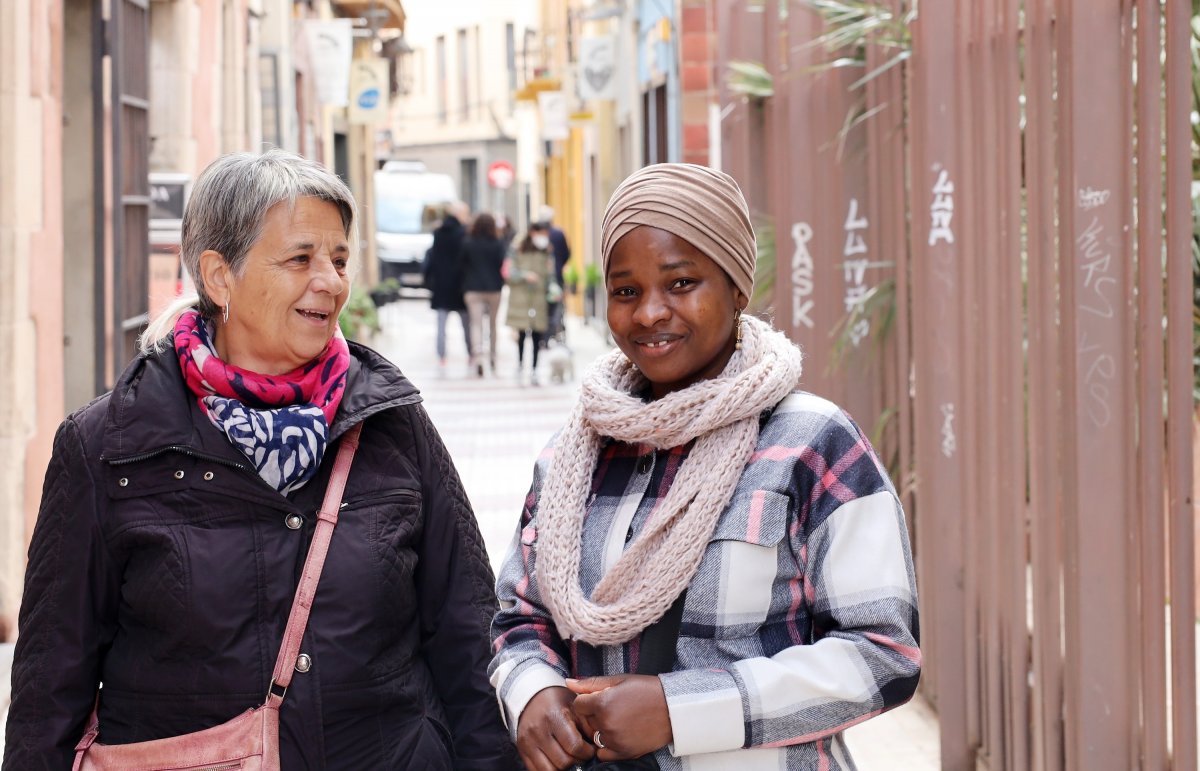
(1096, 264)
(941, 212)
(802, 275)
(1100, 373)
(949, 442)
(854, 271)
(1090, 199)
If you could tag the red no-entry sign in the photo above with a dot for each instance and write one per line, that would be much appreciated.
(500, 174)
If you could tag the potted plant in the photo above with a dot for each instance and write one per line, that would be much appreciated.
(591, 281)
(571, 277)
(385, 292)
(359, 318)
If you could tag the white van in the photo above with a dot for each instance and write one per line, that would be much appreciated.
(409, 202)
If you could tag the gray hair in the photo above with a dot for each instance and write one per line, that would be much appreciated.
(226, 212)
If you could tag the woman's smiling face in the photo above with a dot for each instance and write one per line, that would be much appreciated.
(671, 309)
(283, 307)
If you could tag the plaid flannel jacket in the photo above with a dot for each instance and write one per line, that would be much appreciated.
(800, 621)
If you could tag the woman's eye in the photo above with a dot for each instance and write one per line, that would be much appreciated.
(341, 264)
(623, 291)
(300, 258)
(682, 283)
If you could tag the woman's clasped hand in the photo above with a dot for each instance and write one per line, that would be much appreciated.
(607, 718)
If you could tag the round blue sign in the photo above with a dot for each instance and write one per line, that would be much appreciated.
(368, 99)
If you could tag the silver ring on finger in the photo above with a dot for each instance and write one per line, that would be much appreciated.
(596, 740)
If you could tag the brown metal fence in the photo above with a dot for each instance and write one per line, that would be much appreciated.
(1015, 212)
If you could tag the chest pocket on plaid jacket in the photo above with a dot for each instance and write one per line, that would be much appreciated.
(744, 553)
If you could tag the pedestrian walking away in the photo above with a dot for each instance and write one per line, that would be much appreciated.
(179, 509)
(712, 568)
(444, 275)
(562, 255)
(482, 260)
(531, 288)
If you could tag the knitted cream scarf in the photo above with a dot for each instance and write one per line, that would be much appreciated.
(722, 414)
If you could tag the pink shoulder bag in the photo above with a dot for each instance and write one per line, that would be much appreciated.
(249, 742)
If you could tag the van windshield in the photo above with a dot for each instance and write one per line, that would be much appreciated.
(398, 215)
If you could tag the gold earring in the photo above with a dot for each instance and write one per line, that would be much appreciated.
(225, 314)
(737, 319)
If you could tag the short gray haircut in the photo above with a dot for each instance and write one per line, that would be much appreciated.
(226, 212)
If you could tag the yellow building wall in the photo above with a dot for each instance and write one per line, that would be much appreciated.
(564, 192)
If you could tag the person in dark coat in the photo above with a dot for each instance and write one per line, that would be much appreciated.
(562, 255)
(178, 510)
(443, 275)
(482, 257)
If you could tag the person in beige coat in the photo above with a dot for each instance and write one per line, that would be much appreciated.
(529, 272)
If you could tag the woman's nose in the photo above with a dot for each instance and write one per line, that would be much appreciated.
(651, 310)
(325, 276)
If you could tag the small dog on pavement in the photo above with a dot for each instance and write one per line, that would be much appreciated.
(560, 361)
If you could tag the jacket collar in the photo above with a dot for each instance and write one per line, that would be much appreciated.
(151, 408)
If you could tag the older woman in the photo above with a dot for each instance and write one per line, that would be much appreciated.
(712, 569)
(178, 510)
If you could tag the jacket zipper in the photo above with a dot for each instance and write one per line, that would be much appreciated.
(222, 767)
(396, 494)
(183, 450)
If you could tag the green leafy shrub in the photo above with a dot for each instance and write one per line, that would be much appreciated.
(359, 318)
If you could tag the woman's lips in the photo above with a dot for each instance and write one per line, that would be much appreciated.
(657, 345)
(313, 316)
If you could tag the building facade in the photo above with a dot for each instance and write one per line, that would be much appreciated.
(460, 112)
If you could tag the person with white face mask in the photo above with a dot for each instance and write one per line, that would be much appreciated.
(529, 273)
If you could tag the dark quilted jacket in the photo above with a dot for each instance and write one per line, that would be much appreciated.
(164, 567)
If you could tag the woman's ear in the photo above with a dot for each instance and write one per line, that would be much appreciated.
(215, 274)
(740, 301)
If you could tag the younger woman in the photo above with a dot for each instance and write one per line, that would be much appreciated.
(693, 465)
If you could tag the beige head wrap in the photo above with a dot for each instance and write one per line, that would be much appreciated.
(702, 206)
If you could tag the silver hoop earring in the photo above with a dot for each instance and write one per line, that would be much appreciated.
(225, 315)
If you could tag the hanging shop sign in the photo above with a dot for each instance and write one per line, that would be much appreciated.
(597, 67)
(368, 91)
(330, 45)
(553, 107)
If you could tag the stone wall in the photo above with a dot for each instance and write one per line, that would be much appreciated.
(30, 272)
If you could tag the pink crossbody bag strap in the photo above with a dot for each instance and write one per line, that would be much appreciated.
(327, 518)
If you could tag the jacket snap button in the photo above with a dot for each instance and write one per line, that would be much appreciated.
(303, 662)
(293, 521)
(208, 475)
(179, 475)
(644, 465)
(123, 481)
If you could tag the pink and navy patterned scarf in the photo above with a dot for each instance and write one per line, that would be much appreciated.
(281, 422)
